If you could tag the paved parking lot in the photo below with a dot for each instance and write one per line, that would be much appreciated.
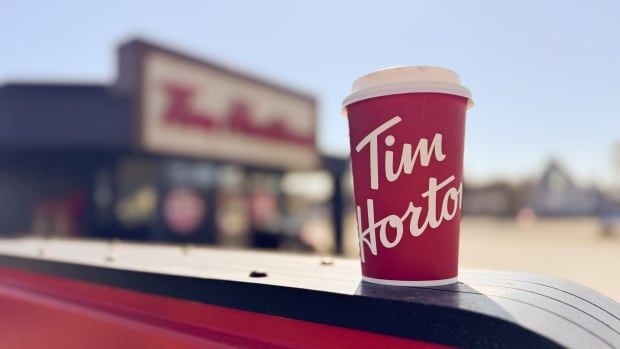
(573, 249)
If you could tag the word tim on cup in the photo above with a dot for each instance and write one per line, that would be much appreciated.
(407, 129)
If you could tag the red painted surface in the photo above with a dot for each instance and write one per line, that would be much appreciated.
(39, 311)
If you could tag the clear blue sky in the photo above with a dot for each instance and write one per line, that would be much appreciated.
(545, 75)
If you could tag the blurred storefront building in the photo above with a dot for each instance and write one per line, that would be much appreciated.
(176, 149)
(557, 194)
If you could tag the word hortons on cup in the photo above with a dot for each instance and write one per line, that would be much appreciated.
(444, 191)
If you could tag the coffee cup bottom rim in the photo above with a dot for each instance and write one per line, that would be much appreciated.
(411, 283)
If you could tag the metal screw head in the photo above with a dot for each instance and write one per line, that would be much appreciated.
(187, 249)
(258, 274)
(327, 261)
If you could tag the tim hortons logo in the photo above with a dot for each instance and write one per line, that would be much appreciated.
(238, 118)
(446, 192)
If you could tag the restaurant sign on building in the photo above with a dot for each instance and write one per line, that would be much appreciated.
(187, 107)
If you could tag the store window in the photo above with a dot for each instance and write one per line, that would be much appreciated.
(308, 223)
(232, 211)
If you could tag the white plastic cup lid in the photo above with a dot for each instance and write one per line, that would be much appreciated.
(407, 79)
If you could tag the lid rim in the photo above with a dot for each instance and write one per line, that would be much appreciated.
(392, 89)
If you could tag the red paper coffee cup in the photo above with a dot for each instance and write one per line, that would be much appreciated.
(407, 128)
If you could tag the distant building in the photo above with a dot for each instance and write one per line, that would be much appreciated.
(556, 194)
(495, 199)
(553, 194)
